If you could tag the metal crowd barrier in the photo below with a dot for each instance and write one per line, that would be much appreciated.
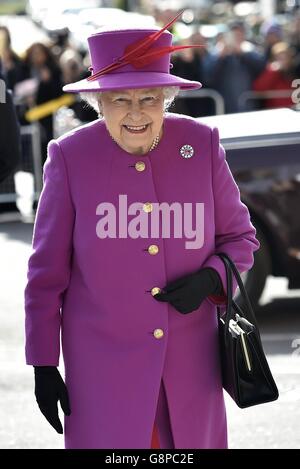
(2, 91)
(30, 163)
(206, 93)
(250, 95)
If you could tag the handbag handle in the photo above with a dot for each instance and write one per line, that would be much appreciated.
(229, 300)
(231, 306)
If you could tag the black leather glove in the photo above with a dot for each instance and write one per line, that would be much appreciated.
(187, 293)
(50, 388)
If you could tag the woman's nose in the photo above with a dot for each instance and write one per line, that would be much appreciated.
(135, 111)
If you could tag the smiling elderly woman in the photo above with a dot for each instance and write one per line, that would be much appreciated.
(131, 132)
(136, 311)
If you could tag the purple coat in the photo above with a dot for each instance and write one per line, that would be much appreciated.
(98, 290)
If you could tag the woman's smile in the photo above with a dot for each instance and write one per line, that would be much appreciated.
(141, 129)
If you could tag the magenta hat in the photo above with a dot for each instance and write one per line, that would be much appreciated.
(131, 58)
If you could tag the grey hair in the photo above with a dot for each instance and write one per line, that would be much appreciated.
(92, 98)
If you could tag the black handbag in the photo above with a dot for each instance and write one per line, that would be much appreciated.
(246, 374)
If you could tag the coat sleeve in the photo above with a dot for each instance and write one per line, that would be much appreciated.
(49, 263)
(234, 232)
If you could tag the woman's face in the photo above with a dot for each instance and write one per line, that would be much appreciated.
(38, 56)
(134, 117)
(284, 59)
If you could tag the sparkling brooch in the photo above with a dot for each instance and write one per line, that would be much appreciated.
(186, 151)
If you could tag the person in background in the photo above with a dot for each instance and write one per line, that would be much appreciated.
(235, 66)
(71, 65)
(278, 75)
(271, 33)
(194, 64)
(39, 63)
(12, 65)
(294, 39)
(10, 141)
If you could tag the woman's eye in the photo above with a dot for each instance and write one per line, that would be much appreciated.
(148, 98)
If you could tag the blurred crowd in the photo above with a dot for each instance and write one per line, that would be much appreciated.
(240, 59)
(239, 63)
(38, 77)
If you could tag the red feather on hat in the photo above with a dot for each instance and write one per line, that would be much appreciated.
(139, 54)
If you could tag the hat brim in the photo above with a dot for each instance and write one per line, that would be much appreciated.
(130, 80)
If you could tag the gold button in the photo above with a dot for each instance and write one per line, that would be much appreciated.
(153, 249)
(140, 166)
(148, 207)
(155, 291)
(158, 333)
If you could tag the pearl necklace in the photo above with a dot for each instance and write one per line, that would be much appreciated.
(154, 143)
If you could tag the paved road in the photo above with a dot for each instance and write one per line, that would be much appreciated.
(273, 425)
